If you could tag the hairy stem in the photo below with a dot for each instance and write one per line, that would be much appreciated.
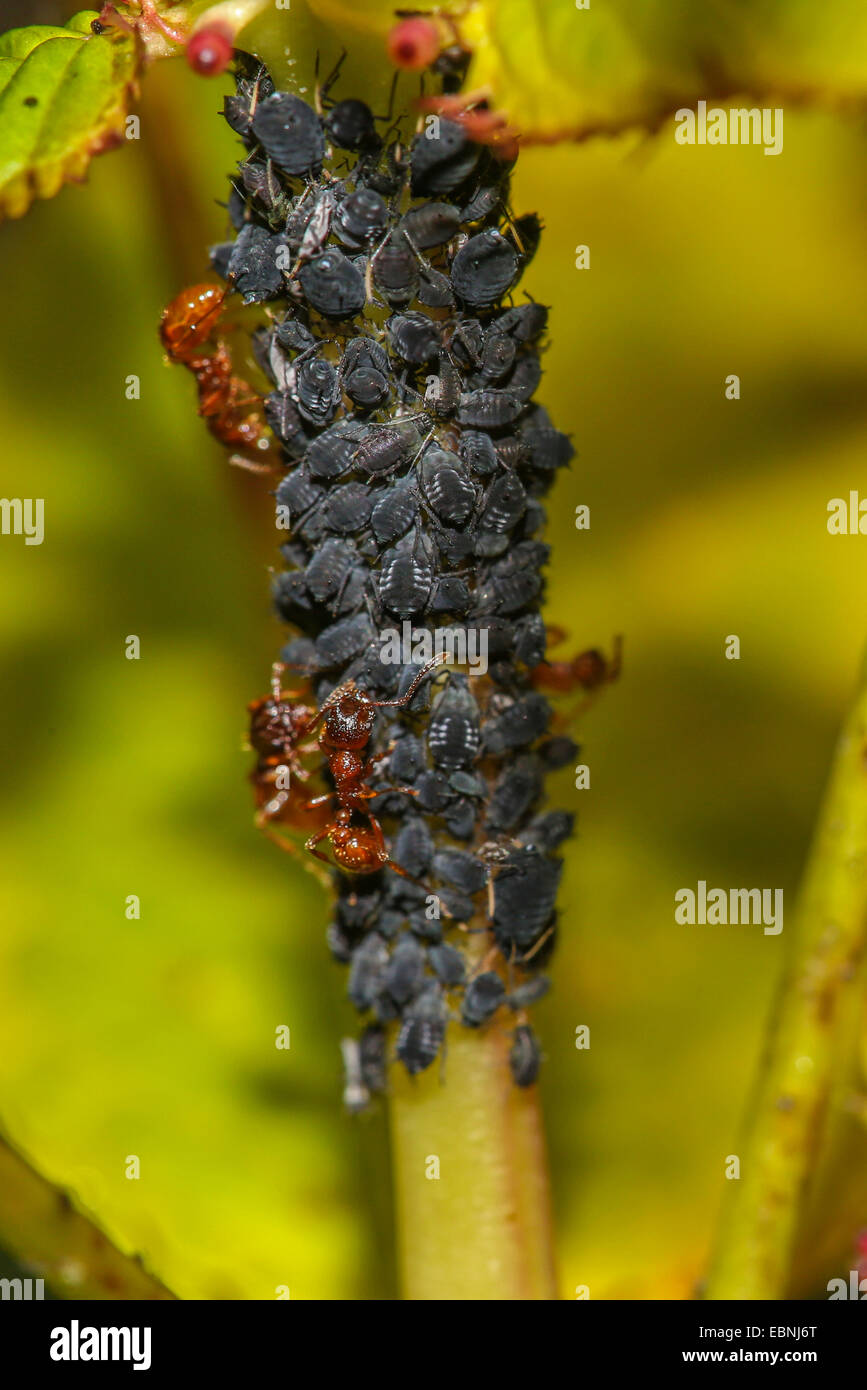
(809, 1031)
(47, 1233)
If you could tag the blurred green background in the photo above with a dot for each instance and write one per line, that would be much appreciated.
(156, 1037)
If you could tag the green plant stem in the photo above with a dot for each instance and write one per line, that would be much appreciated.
(481, 1229)
(45, 1231)
(810, 1031)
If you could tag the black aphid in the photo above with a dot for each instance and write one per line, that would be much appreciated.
(333, 286)
(290, 133)
(525, 1056)
(484, 268)
(483, 996)
(403, 378)
(423, 1031)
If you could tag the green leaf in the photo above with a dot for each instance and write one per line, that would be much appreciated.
(64, 96)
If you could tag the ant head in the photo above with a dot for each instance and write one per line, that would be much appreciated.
(349, 722)
(590, 668)
(275, 724)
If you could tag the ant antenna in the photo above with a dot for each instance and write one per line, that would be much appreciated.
(425, 670)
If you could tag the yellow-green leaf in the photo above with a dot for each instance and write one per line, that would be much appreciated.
(64, 96)
(560, 70)
(564, 71)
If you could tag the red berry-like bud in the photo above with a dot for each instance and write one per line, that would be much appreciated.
(414, 44)
(209, 50)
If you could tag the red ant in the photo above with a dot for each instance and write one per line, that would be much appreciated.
(187, 331)
(588, 670)
(349, 716)
(479, 121)
(277, 728)
(278, 723)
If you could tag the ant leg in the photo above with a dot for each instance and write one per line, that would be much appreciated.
(396, 869)
(307, 748)
(616, 664)
(319, 801)
(314, 840)
(378, 757)
(368, 792)
(278, 670)
(388, 862)
(289, 848)
(263, 469)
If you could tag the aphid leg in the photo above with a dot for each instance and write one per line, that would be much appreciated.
(538, 946)
(368, 273)
(486, 962)
(515, 233)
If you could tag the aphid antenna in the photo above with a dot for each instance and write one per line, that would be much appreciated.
(273, 184)
(321, 90)
(257, 82)
(391, 95)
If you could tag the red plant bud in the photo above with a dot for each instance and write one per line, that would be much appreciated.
(414, 44)
(209, 50)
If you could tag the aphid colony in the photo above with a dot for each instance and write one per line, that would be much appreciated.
(402, 365)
